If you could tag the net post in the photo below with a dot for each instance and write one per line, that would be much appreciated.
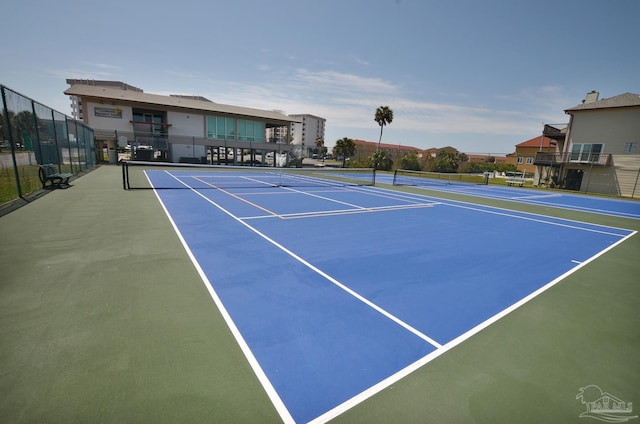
(128, 179)
(125, 175)
(374, 176)
(124, 165)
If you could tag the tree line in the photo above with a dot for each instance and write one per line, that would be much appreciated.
(444, 161)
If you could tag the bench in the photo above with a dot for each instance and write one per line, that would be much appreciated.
(50, 178)
(184, 159)
(515, 181)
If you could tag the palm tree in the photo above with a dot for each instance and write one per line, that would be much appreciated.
(344, 147)
(384, 116)
(381, 160)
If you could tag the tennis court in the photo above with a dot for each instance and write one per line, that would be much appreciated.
(335, 291)
(475, 185)
(310, 297)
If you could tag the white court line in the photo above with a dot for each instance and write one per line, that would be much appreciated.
(361, 397)
(525, 218)
(325, 275)
(440, 349)
(541, 196)
(514, 213)
(491, 194)
(262, 377)
(324, 198)
(340, 212)
(278, 404)
(587, 209)
(271, 214)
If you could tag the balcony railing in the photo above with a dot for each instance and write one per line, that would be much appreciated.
(555, 133)
(544, 158)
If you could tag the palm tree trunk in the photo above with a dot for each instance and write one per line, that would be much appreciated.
(375, 162)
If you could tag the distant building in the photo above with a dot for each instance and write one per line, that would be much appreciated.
(435, 151)
(364, 149)
(476, 158)
(305, 131)
(174, 128)
(525, 153)
(279, 134)
(76, 103)
(598, 151)
(430, 153)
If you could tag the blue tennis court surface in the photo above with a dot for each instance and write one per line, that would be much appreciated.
(336, 292)
(600, 205)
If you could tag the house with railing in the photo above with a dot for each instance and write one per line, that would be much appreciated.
(524, 156)
(597, 151)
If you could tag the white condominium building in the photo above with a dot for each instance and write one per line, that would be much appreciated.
(306, 131)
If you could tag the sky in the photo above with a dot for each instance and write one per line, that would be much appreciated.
(477, 75)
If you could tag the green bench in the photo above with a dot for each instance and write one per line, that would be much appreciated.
(51, 178)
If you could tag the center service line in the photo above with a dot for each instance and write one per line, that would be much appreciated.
(325, 275)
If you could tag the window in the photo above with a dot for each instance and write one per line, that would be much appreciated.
(630, 147)
(250, 131)
(586, 152)
(221, 128)
(148, 121)
(519, 159)
(529, 160)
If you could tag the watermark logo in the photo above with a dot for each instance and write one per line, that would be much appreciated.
(604, 406)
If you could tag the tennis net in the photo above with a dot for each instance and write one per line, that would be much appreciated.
(165, 175)
(405, 177)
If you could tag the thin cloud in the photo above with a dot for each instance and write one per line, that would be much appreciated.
(348, 102)
(105, 66)
(335, 81)
(80, 74)
(91, 71)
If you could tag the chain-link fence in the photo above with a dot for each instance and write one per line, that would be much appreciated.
(33, 134)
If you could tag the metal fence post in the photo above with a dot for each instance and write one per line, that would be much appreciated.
(11, 142)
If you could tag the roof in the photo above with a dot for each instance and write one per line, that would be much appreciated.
(97, 92)
(104, 83)
(189, 96)
(555, 133)
(622, 100)
(386, 145)
(535, 142)
(471, 157)
(306, 115)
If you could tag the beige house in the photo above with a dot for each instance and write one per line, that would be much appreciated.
(598, 151)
